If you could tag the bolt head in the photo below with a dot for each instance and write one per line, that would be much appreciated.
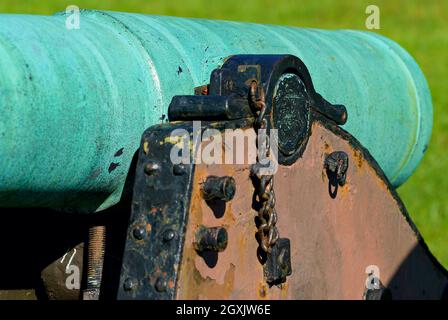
(151, 168)
(160, 284)
(179, 169)
(168, 235)
(129, 284)
(139, 233)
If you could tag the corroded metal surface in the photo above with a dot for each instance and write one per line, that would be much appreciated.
(75, 102)
(335, 240)
(160, 203)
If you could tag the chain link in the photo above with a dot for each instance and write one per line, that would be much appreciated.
(267, 229)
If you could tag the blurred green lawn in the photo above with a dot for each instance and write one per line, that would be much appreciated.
(419, 26)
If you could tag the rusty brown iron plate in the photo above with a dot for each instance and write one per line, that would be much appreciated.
(333, 239)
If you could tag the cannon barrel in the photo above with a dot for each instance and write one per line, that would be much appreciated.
(75, 102)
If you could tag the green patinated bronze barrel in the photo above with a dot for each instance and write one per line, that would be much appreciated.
(74, 102)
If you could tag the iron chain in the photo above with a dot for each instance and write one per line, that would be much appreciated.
(267, 230)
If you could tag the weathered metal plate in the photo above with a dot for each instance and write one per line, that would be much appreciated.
(159, 207)
(334, 240)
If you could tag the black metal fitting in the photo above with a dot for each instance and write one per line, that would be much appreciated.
(278, 263)
(179, 169)
(129, 284)
(139, 233)
(160, 284)
(336, 164)
(168, 235)
(291, 113)
(151, 168)
(161, 200)
(211, 239)
(288, 93)
(222, 188)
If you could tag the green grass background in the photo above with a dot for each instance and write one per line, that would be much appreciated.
(419, 26)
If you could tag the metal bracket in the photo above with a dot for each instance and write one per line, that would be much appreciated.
(161, 197)
(278, 262)
(286, 85)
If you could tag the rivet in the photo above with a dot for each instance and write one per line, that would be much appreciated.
(151, 168)
(139, 233)
(129, 284)
(179, 169)
(336, 164)
(160, 285)
(168, 235)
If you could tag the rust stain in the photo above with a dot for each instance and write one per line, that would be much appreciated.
(262, 290)
(359, 159)
(326, 234)
(96, 242)
(344, 190)
(284, 291)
